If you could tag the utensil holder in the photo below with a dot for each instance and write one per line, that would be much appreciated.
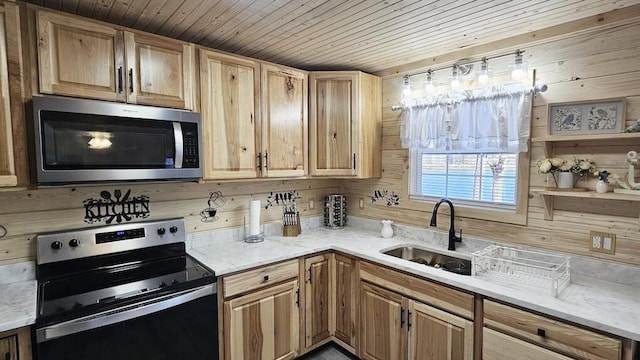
(335, 211)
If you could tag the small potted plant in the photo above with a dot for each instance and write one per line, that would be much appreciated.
(564, 171)
(602, 186)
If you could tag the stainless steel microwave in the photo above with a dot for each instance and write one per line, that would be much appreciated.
(81, 141)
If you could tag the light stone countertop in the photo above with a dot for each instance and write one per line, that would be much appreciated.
(18, 292)
(603, 305)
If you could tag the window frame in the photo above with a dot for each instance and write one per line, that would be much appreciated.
(493, 212)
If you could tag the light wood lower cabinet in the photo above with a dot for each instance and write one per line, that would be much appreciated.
(534, 330)
(317, 298)
(261, 316)
(346, 300)
(15, 344)
(404, 317)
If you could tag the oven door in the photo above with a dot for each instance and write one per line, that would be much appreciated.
(181, 325)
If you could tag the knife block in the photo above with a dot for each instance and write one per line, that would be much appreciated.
(292, 230)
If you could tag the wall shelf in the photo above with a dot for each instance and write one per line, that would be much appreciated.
(548, 196)
(551, 140)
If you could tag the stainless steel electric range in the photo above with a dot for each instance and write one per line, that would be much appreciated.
(124, 292)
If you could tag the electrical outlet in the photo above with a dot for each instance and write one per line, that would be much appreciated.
(609, 243)
(595, 241)
(312, 204)
(361, 203)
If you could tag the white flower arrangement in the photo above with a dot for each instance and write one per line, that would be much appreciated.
(580, 167)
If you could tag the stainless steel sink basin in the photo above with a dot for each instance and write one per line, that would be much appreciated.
(433, 259)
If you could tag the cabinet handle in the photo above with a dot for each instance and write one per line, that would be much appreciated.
(542, 332)
(354, 161)
(266, 160)
(120, 80)
(401, 317)
(260, 161)
(265, 278)
(310, 278)
(131, 80)
(408, 320)
(7, 356)
(298, 297)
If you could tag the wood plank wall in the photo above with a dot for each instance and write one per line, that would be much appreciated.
(26, 213)
(597, 63)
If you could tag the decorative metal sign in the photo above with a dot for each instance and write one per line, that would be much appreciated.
(117, 207)
(390, 197)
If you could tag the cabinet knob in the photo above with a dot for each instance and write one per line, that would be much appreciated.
(266, 278)
(541, 332)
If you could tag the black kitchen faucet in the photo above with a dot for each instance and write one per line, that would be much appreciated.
(452, 233)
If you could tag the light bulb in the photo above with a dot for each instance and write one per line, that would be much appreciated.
(429, 87)
(454, 80)
(483, 73)
(406, 88)
(519, 67)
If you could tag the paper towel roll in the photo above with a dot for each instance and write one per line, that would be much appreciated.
(254, 217)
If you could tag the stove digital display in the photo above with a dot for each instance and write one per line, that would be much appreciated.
(119, 235)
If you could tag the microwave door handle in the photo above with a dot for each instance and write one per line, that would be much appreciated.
(179, 142)
(123, 314)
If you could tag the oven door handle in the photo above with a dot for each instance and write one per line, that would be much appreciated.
(124, 313)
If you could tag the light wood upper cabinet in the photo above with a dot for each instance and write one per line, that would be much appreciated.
(84, 58)
(317, 299)
(229, 87)
(345, 120)
(7, 167)
(284, 121)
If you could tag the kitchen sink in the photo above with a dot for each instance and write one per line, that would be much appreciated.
(422, 256)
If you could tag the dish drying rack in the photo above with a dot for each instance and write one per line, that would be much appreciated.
(525, 267)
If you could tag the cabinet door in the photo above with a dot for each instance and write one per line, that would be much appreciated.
(9, 348)
(263, 325)
(317, 298)
(230, 115)
(345, 289)
(435, 334)
(382, 324)
(7, 166)
(160, 71)
(80, 58)
(331, 119)
(498, 346)
(284, 121)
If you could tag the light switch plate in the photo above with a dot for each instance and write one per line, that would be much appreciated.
(608, 243)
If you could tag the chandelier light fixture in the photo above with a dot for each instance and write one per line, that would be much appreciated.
(483, 74)
(429, 86)
(519, 67)
(454, 80)
(406, 88)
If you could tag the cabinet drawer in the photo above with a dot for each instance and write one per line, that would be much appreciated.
(260, 277)
(549, 333)
(498, 346)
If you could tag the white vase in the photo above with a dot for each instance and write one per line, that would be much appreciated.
(565, 180)
(387, 230)
(602, 186)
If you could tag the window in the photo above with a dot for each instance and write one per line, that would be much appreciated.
(477, 178)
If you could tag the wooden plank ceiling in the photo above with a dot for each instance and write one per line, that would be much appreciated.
(369, 35)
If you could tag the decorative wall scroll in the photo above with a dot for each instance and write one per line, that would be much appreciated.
(587, 117)
(116, 207)
(287, 199)
(389, 196)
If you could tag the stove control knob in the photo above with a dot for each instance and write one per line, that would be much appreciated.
(173, 229)
(57, 245)
(161, 231)
(74, 243)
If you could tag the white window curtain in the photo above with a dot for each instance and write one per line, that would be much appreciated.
(495, 119)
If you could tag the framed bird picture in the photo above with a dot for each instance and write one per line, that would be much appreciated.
(587, 117)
